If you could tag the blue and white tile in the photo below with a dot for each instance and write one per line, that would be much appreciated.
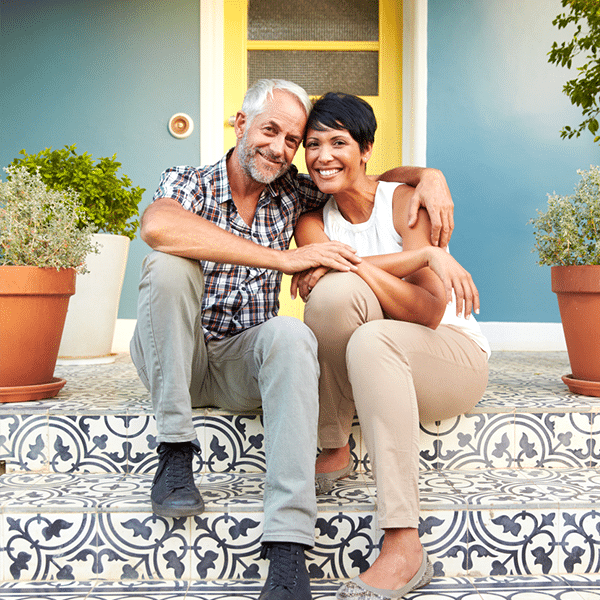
(142, 444)
(48, 546)
(552, 440)
(346, 544)
(24, 442)
(88, 443)
(541, 587)
(232, 442)
(232, 492)
(473, 441)
(355, 492)
(513, 542)
(227, 546)
(498, 488)
(143, 546)
(437, 492)
(445, 536)
(578, 542)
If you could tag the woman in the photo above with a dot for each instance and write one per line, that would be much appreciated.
(393, 343)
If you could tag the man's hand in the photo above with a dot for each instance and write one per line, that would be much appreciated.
(433, 194)
(334, 255)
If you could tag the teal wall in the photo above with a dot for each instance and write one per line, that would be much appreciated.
(107, 75)
(495, 109)
(104, 75)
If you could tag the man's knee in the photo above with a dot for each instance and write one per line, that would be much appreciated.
(170, 273)
(288, 336)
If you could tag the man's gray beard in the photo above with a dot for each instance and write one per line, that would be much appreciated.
(247, 157)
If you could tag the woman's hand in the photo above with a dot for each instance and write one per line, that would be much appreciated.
(454, 277)
(305, 281)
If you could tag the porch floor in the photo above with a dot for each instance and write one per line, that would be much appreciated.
(508, 494)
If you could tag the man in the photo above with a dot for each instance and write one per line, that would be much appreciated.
(208, 331)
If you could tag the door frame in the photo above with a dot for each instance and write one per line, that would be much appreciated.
(414, 82)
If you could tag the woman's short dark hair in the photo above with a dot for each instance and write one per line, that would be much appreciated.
(336, 110)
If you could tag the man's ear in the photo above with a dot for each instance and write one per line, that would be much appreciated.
(240, 124)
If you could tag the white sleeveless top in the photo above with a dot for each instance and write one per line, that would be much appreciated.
(379, 236)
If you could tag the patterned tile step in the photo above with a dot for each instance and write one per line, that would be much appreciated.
(102, 422)
(481, 523)
(122, 443)
(507, 588)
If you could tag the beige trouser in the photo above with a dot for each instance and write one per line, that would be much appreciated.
(393, 374)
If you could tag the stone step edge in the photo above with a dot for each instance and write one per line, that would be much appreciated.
(547, 586)
(454, 490)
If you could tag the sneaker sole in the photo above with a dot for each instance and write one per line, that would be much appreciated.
(185, 511)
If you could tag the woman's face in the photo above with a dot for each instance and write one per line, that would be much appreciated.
(334, 159)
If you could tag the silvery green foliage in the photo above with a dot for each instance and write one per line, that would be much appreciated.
(39, 226)
(568, 233)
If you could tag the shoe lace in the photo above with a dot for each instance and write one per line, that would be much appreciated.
(284, 565)
(178, 460)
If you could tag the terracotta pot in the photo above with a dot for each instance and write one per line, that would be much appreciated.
(33, 307)
(578, 291)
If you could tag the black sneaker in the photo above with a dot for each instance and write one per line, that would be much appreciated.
(174, 493)
(288, 578)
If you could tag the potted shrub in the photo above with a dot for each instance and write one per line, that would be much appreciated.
(110, 202)
(42, 246)
(567, 237)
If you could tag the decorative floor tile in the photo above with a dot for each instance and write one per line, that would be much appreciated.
(473, 441)
(49, 547)
(24, 441)
(445, 536)
(578, 541)
(553, 440)
(346, 544)
(513, 542)
(232, 443)
(143, 546)
(227, 546)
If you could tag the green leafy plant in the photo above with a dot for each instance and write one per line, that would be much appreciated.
(583, 90)
(568, 233)
(40, 227)
(109, 202)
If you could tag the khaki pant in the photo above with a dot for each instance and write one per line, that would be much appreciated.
(393, 374)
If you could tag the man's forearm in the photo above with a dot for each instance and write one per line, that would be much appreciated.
(406, 174)
(169, 228)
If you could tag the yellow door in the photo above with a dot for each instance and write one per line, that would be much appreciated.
(352, 46)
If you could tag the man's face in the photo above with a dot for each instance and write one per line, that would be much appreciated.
(267, 146)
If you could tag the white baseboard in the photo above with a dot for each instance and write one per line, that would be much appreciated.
(503, 336)
(524, 337)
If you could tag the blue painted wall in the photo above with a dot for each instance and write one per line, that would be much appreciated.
(495, 109)
(104, 75)
(107, 75)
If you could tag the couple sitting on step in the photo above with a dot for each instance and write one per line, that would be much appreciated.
(387, 329)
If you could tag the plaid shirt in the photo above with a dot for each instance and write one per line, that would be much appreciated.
(237, 297)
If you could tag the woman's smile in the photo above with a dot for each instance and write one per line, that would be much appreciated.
(334, 159)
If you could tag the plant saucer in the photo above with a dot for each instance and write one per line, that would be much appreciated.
(581, 386)
(24, 393)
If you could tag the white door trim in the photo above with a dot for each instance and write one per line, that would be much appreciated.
(414, 82)
(211, 81)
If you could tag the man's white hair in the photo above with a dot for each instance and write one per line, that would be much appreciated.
(261, 92)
